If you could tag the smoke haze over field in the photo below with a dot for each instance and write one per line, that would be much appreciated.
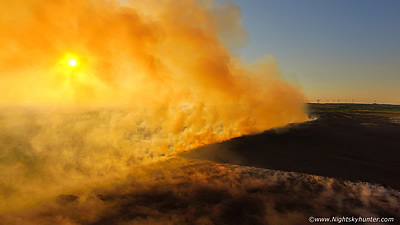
(152, 79)
(180, 191)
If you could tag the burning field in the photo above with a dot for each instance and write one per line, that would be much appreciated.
(181, 191)
(99, 98)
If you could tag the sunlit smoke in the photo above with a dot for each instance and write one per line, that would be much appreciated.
(107, 84)
(202, 192)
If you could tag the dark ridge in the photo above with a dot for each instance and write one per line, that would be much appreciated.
(350, 142)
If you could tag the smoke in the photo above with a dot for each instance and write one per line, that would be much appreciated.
(153, 78)
(181, 191)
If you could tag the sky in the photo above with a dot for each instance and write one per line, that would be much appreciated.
(334, 49)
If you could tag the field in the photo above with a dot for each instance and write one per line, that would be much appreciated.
(349, 141)
(344, 162)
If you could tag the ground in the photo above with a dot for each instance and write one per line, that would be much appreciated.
(345, 162)
(351, 142)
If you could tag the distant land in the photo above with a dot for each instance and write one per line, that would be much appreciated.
(356, 142)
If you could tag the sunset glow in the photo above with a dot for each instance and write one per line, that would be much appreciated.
(72, 62)
(142, 81)
(198, 112)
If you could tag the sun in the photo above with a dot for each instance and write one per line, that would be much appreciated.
(72, 62)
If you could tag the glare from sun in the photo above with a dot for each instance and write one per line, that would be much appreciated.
(72, 62)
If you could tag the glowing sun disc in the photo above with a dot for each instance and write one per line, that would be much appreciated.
(72, 62)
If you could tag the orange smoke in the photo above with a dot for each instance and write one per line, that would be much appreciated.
(149, 79)
(153, 53)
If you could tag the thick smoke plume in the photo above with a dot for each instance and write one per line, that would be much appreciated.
(153, 78)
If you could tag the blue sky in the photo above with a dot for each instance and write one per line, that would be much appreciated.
(336, 49)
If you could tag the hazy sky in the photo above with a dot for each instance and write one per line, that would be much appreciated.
(336, 49)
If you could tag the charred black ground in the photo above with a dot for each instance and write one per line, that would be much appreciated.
(357, 142)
